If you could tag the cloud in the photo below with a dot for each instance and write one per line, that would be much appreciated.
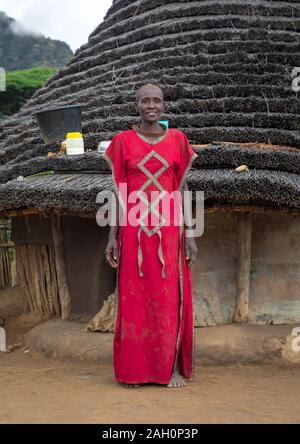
(69, 20)
(20, 29)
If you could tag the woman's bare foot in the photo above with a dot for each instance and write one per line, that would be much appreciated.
(130, 385)
(176, 380)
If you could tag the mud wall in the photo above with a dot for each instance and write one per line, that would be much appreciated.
(275, 273)
(274, 290)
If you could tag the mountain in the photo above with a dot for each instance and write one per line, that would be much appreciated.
(21, 49)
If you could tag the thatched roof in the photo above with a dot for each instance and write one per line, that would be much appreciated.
(78, 192)
(72, 192)
(273, 179)
(226, 71)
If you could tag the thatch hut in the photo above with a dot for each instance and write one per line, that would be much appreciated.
(226, 71)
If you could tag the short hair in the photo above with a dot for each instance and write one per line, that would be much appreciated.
(147, 84)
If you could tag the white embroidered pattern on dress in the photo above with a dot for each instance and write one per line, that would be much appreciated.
(151, 207)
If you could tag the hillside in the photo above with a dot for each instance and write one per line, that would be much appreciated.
(20, 49)
(20, 86)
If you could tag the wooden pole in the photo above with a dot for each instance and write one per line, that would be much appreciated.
(5, 276)
(37, 279)
(250, 209)
(61, 268)
(24, 280)
(244, 268)
(46, 213)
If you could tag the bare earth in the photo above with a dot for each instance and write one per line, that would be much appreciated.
(34, 389)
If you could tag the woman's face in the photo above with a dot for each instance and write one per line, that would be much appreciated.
(150, 104)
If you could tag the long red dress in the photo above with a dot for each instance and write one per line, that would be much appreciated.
(154, 326)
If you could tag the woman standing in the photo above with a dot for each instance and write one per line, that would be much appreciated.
(153, 339)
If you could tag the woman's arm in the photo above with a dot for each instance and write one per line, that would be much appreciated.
(191, 250)
(111, 251)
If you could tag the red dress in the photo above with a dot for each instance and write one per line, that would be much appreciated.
(154, 326)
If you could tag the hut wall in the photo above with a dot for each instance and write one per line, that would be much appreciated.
(274, 295)
(214, 274)
(274, 288)
(275, 272)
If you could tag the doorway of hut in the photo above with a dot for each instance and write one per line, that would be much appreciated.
(82, 242)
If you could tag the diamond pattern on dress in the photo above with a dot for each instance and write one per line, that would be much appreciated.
(152, 178)
(151, 207)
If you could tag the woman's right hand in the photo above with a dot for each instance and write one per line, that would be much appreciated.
(112, 253)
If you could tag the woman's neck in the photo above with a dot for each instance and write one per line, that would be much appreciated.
(154, 128)
(151, 128)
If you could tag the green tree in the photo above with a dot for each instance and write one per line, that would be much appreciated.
(20, 86)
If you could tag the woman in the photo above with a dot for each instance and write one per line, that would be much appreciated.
(153, 339)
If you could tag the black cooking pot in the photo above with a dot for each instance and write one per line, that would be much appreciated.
(55, 123)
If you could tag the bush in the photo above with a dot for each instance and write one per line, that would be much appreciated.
(20, 86)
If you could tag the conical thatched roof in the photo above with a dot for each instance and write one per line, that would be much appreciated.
(226, 71)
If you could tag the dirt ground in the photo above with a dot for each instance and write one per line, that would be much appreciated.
(34, 389)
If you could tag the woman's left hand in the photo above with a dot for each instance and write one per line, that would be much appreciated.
(191, 251)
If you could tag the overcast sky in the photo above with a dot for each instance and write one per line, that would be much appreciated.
(69, 20)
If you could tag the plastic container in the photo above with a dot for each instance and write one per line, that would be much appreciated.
(74, 144)
(102, 147)
(54, 123)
